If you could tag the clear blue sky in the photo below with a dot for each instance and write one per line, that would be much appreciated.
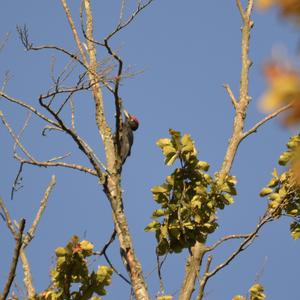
(186, 50)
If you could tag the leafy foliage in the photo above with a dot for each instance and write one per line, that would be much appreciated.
(71, 271)
(239, 297)
(164, 297)
(283, 190)
(188, 198)
(256, 293)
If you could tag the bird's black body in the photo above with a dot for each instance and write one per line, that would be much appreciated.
(130, 124)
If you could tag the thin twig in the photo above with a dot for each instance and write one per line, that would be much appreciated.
(121, 25)
(28, 282)
(110, 241)
(12, 272)
(72, 106)
(266, 119)
(241, 9)
(115, 270)
(74, 31)
(4, 41)
(15, 137)
(266, 218)
(122, 11)
(8, 219)
(231, 95)
(118, 102)
(159, 266)
(201, 290)
(28, 107)
(17, 182)
(59, 157)
(226, 238)
(76, 139)
(16, 185)
(209, 260)
(249, 7)
(62, 50)
(59, 90)
(103, 252)
(261, 271)
(7, 77)
(241, 248)
(31, 231)
(57, 164)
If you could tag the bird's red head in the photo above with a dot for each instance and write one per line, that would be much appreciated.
(132, 120)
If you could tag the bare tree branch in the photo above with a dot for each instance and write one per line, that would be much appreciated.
(266, 119)
(15, 259)
(72, 106)
(231, 95)
(4, 41)
(15, 137)
(44, 201)
(110, 241)
(269, 216)
(30, 235)
(115, 270)
(74, 31)
(226, 238)
(28, 282)
(8, 220)
(17, 182)
(194, 261)
(103, 252)
(159, 266)
(140, 7)
(23, 33)
(240, 248)
(57, 164)
(29, 107)
(241, 9)
(76, 139)
(24, 37)
(118, 102)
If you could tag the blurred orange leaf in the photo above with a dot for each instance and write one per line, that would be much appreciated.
(283, 86)
(265, 4)
(288, 8)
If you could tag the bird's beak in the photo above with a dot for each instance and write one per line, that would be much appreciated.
(127, 115)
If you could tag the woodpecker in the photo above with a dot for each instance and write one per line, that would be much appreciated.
(130, 124)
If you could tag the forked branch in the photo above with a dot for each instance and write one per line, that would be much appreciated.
(13, 267)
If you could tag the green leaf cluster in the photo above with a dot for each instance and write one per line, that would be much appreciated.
(293, 151)
(239, 297)
(71, 271)
(283, 190)
(188, 198)
(164, 297)
(257, 292)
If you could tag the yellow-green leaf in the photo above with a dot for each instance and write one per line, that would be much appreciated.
(203, 165)
(265, 191)
(152, 226)
(159, 189)
(295, 230)
(238, 297)
(165, 297)
(163, 143)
